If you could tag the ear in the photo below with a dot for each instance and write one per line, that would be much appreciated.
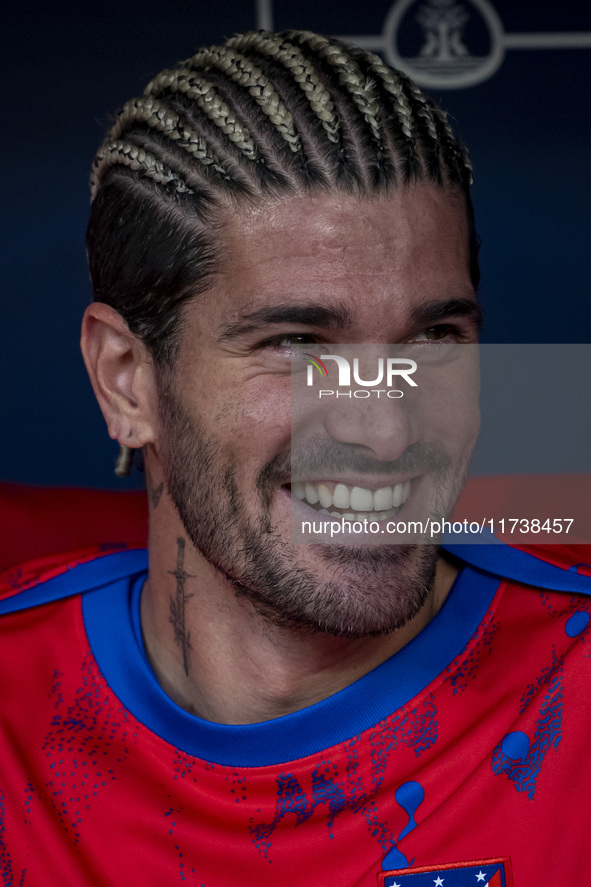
(122, 375)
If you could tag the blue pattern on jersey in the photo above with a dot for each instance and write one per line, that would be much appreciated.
(518, 758)
(577, 623)
(410, 795)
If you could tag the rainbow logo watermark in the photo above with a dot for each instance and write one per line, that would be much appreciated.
(314, 361)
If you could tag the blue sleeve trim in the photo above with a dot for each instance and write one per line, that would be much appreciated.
(112, 620)
(522, 567)
(92, 574)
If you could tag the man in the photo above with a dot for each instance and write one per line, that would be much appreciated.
(253, 710)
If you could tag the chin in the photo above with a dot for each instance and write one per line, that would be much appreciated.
(343, 591)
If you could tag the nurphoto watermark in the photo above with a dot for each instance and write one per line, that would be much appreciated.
(440, 441)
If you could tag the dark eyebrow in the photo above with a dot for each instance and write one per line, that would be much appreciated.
(430, 312)
(333, 317)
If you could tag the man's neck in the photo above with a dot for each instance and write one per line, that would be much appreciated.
(219, 659)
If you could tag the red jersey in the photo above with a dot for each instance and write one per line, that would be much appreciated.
(461, 760)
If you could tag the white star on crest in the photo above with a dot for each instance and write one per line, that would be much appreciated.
(439, 882)
(480, 876)
(395, 884)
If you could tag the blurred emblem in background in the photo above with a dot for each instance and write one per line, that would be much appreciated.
(444, 43)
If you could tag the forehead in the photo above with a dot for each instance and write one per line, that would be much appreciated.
(371, 258)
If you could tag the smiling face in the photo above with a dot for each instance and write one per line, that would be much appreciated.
(313, 271)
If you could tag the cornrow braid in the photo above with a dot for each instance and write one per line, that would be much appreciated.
(263, 117)
(424, 116)
(242, 71)
(119, 152)
(158, 116)
(458, 154)
(205, 96)
(349, 75)
(266, 43)
(402, 115)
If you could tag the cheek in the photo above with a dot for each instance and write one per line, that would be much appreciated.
(448, 407)
(254, 422)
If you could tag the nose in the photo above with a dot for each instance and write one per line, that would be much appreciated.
(379, 419)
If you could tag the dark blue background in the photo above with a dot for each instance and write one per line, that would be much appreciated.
(68, 68)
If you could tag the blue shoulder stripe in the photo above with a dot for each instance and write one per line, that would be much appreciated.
(498, 560)
(502, 560)
(93, 574)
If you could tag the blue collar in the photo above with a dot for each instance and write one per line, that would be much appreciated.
(112, 620)
(111, 587)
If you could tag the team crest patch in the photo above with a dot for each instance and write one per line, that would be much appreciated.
(480, 873)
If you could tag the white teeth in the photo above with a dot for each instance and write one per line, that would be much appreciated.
(367, 503)
(341, 497)
(382, 499)
(361, 499)
(311, 493)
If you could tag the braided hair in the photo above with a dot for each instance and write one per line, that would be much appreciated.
(262, 117)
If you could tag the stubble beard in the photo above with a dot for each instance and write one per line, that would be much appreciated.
(354, 591)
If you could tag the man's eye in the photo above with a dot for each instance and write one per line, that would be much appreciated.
(289, 342)
(434, 333)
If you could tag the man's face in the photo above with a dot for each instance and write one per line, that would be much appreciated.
(312, 271)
